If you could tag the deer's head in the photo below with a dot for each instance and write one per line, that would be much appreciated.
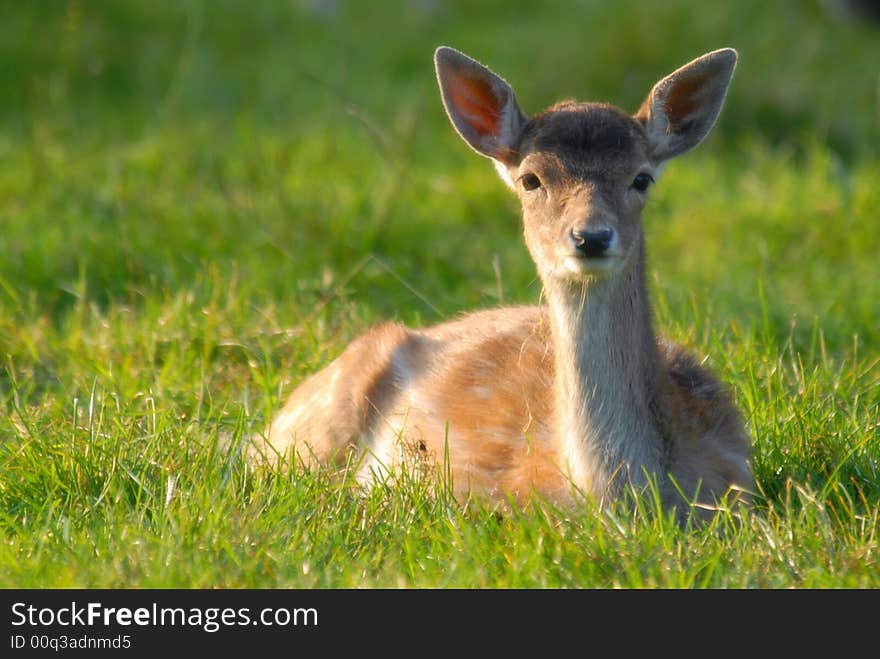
(582, 171)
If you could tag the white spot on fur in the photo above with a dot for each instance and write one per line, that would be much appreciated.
(481, 392)
(423, 405)
(287, 419)
(334, 376)
(501, 168)
(327, 397)
(381, 456)
(495, 432)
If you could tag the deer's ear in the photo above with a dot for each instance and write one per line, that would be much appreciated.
(682, 108)
(481, 105)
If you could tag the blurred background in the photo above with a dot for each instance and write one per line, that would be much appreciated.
(297, 150)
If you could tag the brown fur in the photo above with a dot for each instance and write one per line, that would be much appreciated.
(502, 445)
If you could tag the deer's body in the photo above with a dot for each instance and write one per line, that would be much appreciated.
(578, 394)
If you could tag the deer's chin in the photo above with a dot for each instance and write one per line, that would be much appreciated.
(583, 268)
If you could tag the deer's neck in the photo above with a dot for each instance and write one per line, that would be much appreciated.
(607, 380)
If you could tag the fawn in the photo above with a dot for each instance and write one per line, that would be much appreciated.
(577, 395)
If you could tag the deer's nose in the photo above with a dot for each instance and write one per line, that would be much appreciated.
(592, 243)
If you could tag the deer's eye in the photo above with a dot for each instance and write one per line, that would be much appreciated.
(529, 182)
(642, 181)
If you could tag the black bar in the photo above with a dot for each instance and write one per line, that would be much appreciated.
(131, 621)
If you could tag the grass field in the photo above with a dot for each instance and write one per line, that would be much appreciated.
(203, 202)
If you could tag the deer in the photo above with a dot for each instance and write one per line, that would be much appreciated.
(576, 396)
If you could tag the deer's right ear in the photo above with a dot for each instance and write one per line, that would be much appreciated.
(480, 104)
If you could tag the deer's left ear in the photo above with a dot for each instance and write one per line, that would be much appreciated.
(682, 108)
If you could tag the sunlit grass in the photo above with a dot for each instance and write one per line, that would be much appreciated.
(183, 238)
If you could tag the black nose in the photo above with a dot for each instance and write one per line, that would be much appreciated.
(592, 243)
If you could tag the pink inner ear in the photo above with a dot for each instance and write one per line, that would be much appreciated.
(684, 98)
(476, 103)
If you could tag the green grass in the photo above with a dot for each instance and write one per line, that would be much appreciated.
(201, 203)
